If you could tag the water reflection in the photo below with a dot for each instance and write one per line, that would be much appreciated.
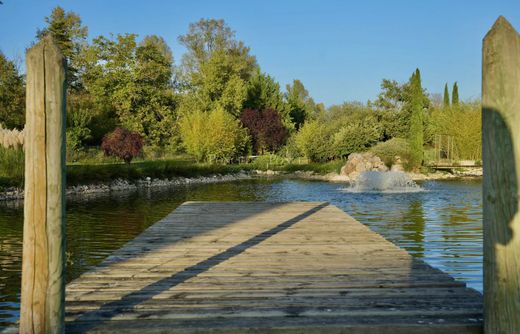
(442, 225)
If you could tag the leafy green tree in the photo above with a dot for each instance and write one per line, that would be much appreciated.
(215, 69)
(416, 132)
(263, 93)
(390, 108)
(71, 36)
(213, 136)
(394, 107)
(12, 95)
(446, 96)
(455, 95)
(301, 105)
(132, 82)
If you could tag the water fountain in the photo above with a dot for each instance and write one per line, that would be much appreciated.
(386, 182)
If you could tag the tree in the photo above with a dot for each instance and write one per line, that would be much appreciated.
(455, 95)
(263, 92)
(215, 69)
(301, 105)
(132, 82)
(416, 132)
(123, 144)
(12, 95)
(266, 129)
(446, 96)
(70, 36)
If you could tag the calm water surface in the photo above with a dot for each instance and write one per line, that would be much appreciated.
(443, 225)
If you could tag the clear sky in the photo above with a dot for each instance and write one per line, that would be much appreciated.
(339, 49)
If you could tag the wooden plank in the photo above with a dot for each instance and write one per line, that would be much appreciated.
(308, 267)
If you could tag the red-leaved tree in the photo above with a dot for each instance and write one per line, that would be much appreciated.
(123, 144)
(266, 129)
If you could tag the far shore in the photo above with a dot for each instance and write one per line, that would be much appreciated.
(122, 185)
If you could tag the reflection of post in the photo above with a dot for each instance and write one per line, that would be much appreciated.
(501, 158)
(43, 283)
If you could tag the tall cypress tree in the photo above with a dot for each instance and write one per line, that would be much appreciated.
(416, 134)
(455, 95)
(446, 96)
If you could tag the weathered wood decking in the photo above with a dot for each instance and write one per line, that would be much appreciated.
(264, 267)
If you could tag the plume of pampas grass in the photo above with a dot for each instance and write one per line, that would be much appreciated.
(11, 138)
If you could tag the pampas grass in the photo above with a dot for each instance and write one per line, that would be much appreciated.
(11, 138)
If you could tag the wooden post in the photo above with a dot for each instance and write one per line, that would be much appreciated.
(501, 159)
(43, 269)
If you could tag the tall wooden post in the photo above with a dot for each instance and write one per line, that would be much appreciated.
(43, 268)
(501, 159)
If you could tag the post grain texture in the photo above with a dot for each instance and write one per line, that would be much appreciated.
(501, 159)
(43, 281)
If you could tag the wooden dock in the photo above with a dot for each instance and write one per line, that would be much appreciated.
(236, 267)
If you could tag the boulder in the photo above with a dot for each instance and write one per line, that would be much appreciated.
(358, 163)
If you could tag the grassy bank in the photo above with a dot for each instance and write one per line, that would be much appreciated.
(81, 173)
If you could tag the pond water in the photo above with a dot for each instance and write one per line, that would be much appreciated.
(442, 225)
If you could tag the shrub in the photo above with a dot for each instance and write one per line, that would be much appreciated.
(313, 140)
(356, 136)
(123, 144)
(266, 129)
(213, 136)
(395, 147)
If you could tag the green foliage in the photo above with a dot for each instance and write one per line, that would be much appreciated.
(338, 132)
(215, 69)
(314, 140)
(356, 136)
(464, 125)
(134, 82)
(455, 95)
(446, 96)
(12, 165)
(395, 105)
(12, 94)
(301, 106)
(213, 136)
(390, 149)
(78, 132)
(416, 132)
(70, 36)
(263, 93)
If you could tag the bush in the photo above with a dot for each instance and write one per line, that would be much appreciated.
(395, 147)
(313, 140)
(356, 136)
(213, 136)
(123, 144)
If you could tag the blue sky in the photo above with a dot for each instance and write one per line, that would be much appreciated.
(340, 50)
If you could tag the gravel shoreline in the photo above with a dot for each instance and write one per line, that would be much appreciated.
(125, 185)
(147, 183)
